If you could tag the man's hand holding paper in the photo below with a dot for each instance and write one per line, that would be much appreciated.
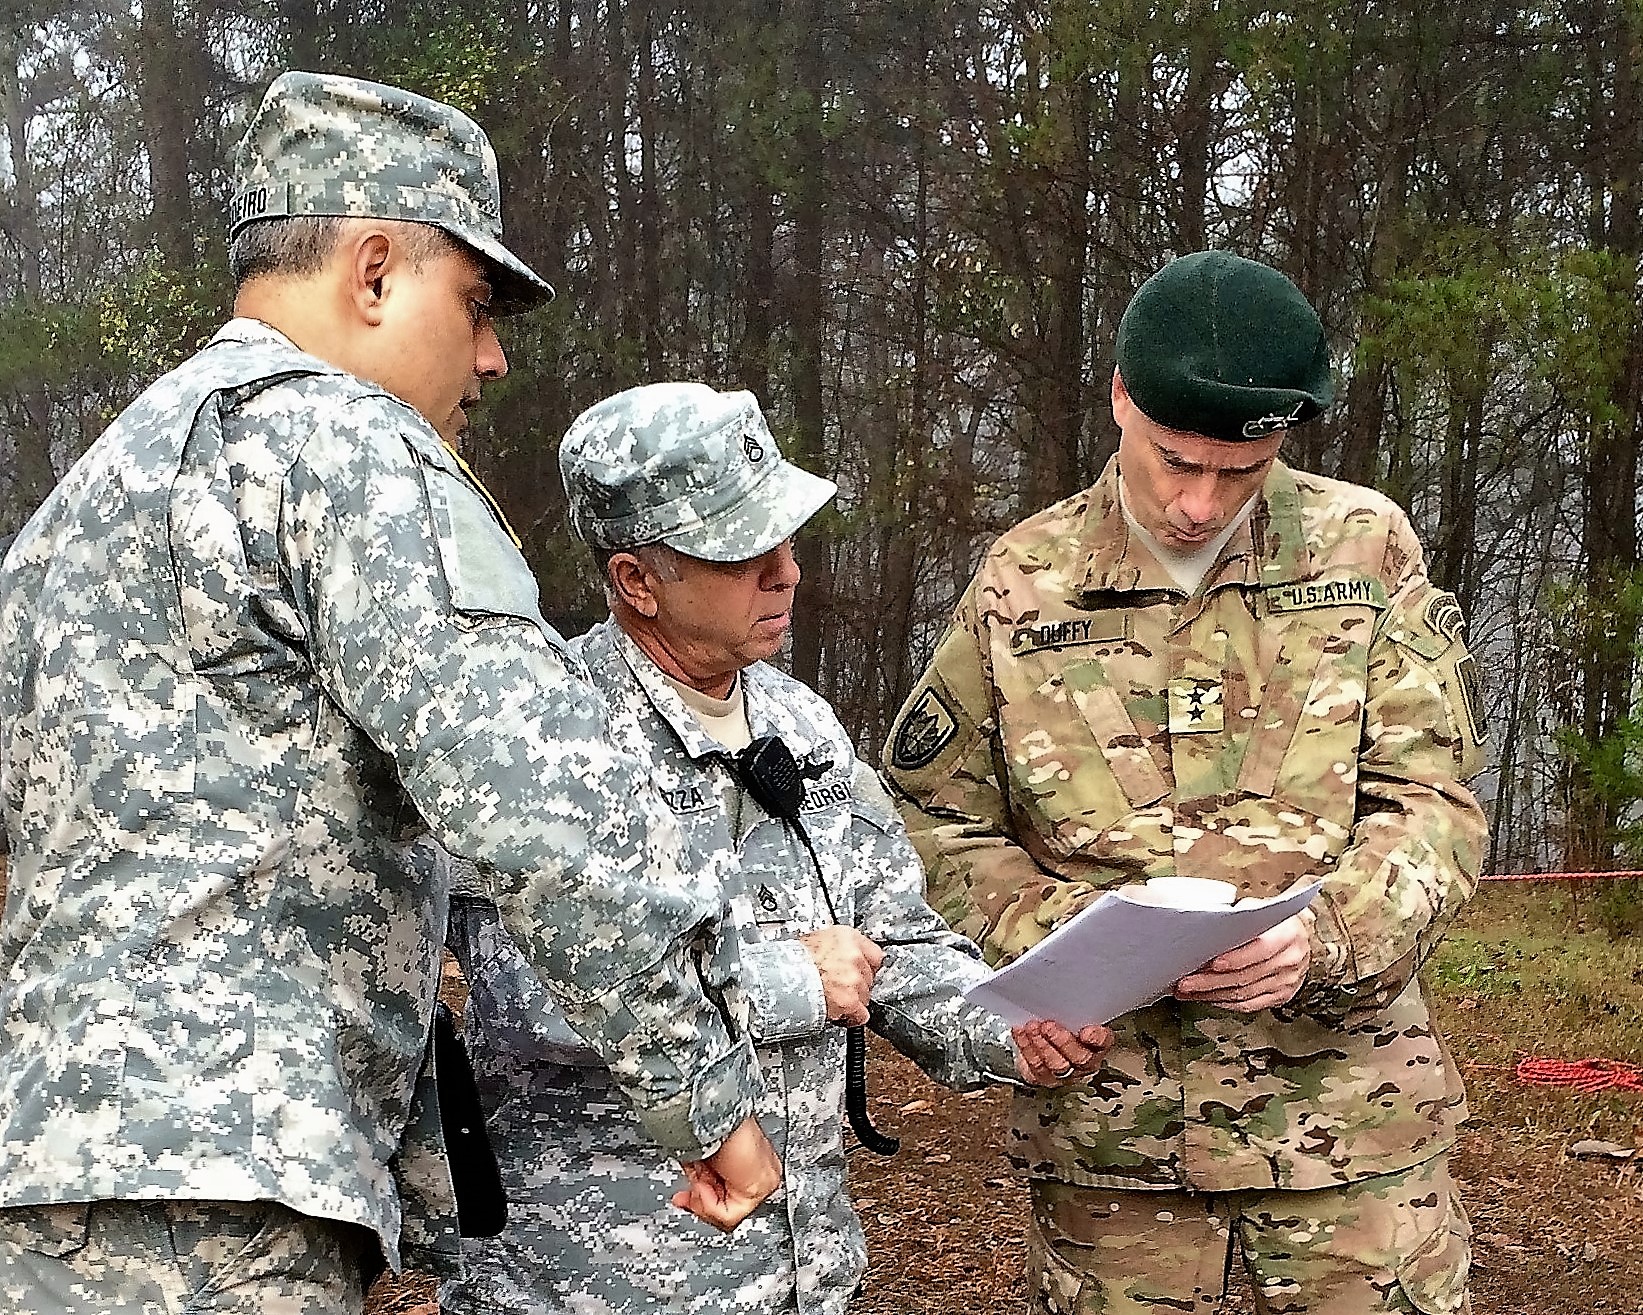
(1259, 974)
(1051, 1054)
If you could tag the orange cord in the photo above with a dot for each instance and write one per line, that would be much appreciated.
(1581, 1074)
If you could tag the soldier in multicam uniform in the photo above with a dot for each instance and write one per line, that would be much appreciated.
(688, 504)
(1211, 665)
(263, 635)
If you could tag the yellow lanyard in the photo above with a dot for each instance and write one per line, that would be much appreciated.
(495, 506)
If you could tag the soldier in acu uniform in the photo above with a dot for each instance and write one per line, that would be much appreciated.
(1211, 665)
(263, 636)
(688, 504)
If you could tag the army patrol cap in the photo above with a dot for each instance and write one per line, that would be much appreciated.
(326, 145)
(1223, 347)
(685, 465)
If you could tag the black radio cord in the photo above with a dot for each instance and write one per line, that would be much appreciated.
(855, 1038)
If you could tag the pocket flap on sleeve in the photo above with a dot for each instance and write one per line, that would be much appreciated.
(483, 567)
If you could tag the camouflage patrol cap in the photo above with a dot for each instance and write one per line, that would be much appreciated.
(1223, 347)
(320, 144)
(685, 465)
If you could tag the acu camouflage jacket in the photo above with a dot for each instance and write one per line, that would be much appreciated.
(1309, 712)
(603, 1230)
(262, 630)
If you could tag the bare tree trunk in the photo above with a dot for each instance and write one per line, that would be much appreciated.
(31, 474)
(1609, 539)
(807, 325)
(171, 59)
(1195, 120)
(1061, 192)
(652, 309)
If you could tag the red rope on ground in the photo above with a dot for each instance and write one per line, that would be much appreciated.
(1581, 1074)
(1560, 876)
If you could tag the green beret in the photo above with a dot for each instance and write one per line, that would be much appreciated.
(1223, 347)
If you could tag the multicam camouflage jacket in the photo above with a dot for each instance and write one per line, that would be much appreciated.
(1309, 712)
(262, 630)
(590, 1225)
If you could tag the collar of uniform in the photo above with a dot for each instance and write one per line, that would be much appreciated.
(672, 709)
(242, 328)
(1276, 548)
(764, 702)
(1268, 547)
(417, 432)
(1116, 559)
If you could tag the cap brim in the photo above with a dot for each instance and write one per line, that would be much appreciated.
(515, 286)
(772, 512)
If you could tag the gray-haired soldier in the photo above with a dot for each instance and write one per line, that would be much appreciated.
(263, 635)
(683, 495)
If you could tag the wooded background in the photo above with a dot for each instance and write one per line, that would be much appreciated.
(910, 227)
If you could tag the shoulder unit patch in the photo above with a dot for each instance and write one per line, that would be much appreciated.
(925, 729)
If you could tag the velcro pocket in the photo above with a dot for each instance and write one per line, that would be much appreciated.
(483, 567)
(47, 1230)
(1124, 747)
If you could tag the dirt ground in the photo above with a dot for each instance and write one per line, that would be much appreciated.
(945, 1220)
(1553, 1235)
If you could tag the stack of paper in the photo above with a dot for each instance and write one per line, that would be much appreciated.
(1119, 953)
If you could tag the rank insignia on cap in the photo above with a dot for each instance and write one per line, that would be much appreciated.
(925, 730)
(753, 448)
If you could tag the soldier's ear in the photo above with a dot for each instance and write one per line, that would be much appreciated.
(630, 582)
(367, 256)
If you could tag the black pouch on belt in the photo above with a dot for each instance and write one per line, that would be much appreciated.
(481, 1207)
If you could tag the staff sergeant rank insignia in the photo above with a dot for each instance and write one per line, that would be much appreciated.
(925, 730)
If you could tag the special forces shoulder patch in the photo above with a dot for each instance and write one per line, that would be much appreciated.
(1443, 614)
(1439, 636)
(926, 727)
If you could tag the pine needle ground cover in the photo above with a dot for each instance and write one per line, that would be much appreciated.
(1551, 1173)
(1526, 972)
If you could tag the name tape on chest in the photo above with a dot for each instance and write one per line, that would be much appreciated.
(1065, 632)
(687, 797)
(826, 794)
(1364, 591)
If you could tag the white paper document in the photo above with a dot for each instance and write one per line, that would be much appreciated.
(1118, 954)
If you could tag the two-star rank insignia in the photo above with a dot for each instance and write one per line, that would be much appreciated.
(1194, 706)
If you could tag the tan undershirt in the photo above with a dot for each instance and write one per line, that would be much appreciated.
(726, 721)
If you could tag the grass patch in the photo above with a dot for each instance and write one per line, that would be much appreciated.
(1529, 969)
